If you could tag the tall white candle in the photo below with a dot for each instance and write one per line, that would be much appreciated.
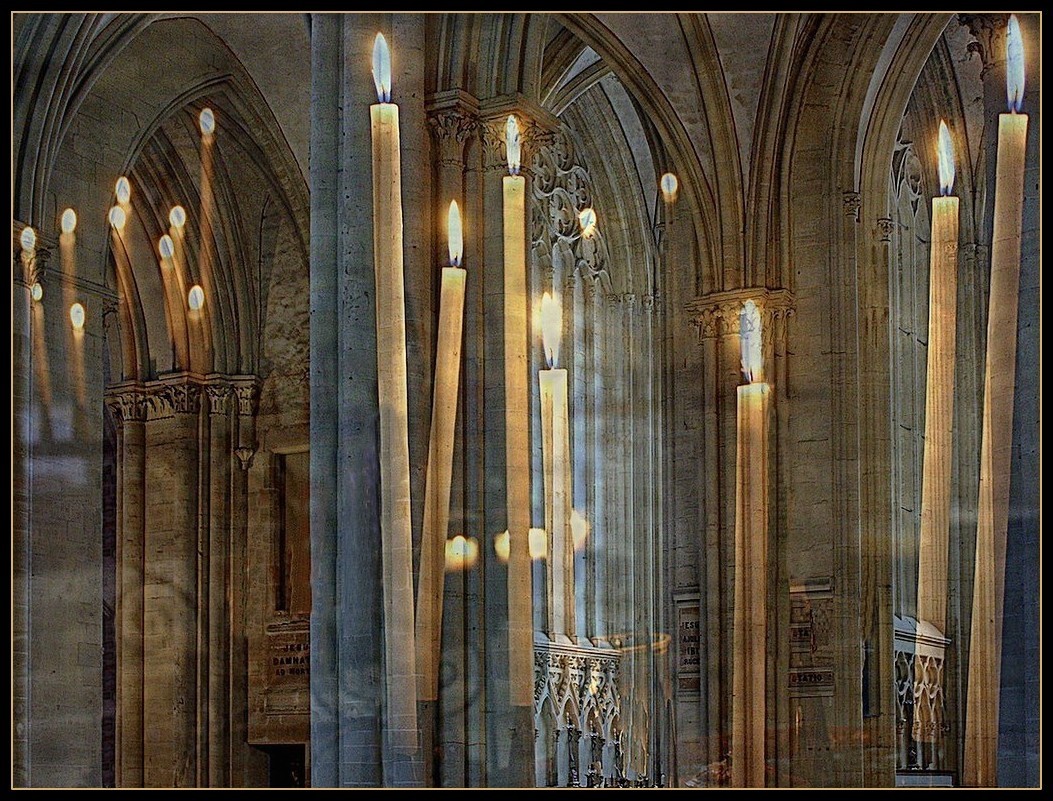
(985, 651)
(440, 466)
(555, 445)
(939, 395)
(517, 429)
(396, 540)
(748, 708)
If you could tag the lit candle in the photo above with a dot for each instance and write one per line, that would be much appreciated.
(939, 394)
(985, 652)
(396, 541)
(748, 712)
(440, 466)
(517, 428)
(555, 444)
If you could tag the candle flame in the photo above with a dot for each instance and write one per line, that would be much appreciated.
(945, 155)
(28, 239)
(1014, 65)
(69, 221)
(512, 144)
(750, 342)
(195, 299)
(587, 220)
(123, 190)
(166, 247)
(579, 529)
(453, 234)
(76, 316)
(461, 552)
(206, 120)
(382, 68)
(551, 327)
(502, 547)
(538, 543)
(670, 186)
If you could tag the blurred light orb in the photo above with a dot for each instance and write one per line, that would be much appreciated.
(177, 216)
(166, 246)
(124, 190)
(117, 217)
(69, 221)
(28, 239)
(37, 291)
(207, 120)
(76, 316)
(196, 298)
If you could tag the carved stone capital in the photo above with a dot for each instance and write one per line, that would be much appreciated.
(851, 201)
(128, 405)
(885, 227)
(717, 314)
(451, 128)
(182, 397)
(218, 398)
(248, 396)
(988, 31)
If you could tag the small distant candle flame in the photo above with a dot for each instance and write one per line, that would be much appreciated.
(37, 291)
(207, 120)
(117, 217)
(750, 342)
(461, 552)
(579, 528)
(76, 316)
(28, 239)
(166, 246)
(551, 327)
(123, 190)
(502, 547)
(1014, 65)
(195, 298)
(670, 186)
(177, 216)
(945, 154)
(587, 220)
(454, 235)
(538, 543)
(69, 221)
(512, 144)
(382, 69)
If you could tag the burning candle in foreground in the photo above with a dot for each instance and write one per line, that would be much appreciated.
(440, 466)
(555, 445)
(996, 438)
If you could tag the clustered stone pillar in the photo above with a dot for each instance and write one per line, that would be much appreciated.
(180, 588)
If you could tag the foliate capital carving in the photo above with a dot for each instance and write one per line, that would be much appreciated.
(218, 398)
(717, 314)
(851, 201)
(451, 128)
(128, 405)
(988, 31)
(176, 398)
(245, 456)
(885, 227)
(248, 396)
(30, 267)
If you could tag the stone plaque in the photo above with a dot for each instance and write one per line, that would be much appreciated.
(688, 648)
(811, 649)
(280, 683)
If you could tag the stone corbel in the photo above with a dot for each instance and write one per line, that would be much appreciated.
(885, 227)
(851, 201)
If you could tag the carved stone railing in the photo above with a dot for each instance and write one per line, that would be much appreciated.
(921, 718)
(577, 715)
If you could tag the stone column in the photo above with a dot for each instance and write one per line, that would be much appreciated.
(220, 711)
(130, 406)
(346, 625)
(171, 592)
